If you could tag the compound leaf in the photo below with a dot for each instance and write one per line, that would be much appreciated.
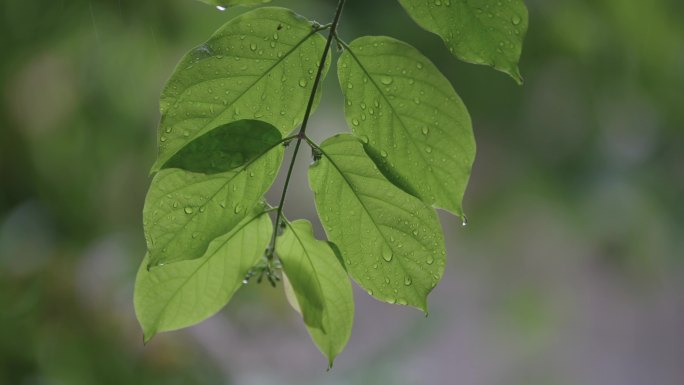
(321, 288)
(477, 31)
(391, 241)
(182, 294)
(185, 210)
(260, 65)
(416, 127)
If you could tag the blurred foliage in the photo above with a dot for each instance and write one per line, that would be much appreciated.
(579, 178)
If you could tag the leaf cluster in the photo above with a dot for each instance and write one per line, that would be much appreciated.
(229, 110)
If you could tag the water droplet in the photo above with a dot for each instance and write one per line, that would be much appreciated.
(383, 153)
(188, 210)
(420, 66)
(238, 208)
(425, 130)
(220, 8)
(408, 280)
(428, 149)
(302, 83)
(355, 122)
(430, 259)
(252, 46)
(464, 222)
(386, 80)
(516, 20)
(387, 254)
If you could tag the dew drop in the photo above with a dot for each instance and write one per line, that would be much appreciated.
(408, 280)
(220, 8)
(387, 254)
(386, 80)
(425, 130)
(188, 210)
(516, 20)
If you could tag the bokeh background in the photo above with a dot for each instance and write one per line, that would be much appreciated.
(570, 271)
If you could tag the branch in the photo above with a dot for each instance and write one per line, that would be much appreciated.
(302, 130)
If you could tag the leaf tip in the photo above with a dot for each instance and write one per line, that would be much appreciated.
(515, 74)
(147, 336)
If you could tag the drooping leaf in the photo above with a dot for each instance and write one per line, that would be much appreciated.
(182, 294)
(298, 265)
(186, 210)
(477, 31)
(223, 4)
(315, 274)
(260, 65)
(391, 242)
(416, 127)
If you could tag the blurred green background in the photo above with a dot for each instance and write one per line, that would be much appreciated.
(570, 271)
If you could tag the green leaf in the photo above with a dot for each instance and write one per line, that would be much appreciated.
(477, 31)
(391, 241)
(186, 210)
(226, 147)
(321, 287)
(416, 127)
(182, 294)
(260, 65)
(223, 4)
(297, 258)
